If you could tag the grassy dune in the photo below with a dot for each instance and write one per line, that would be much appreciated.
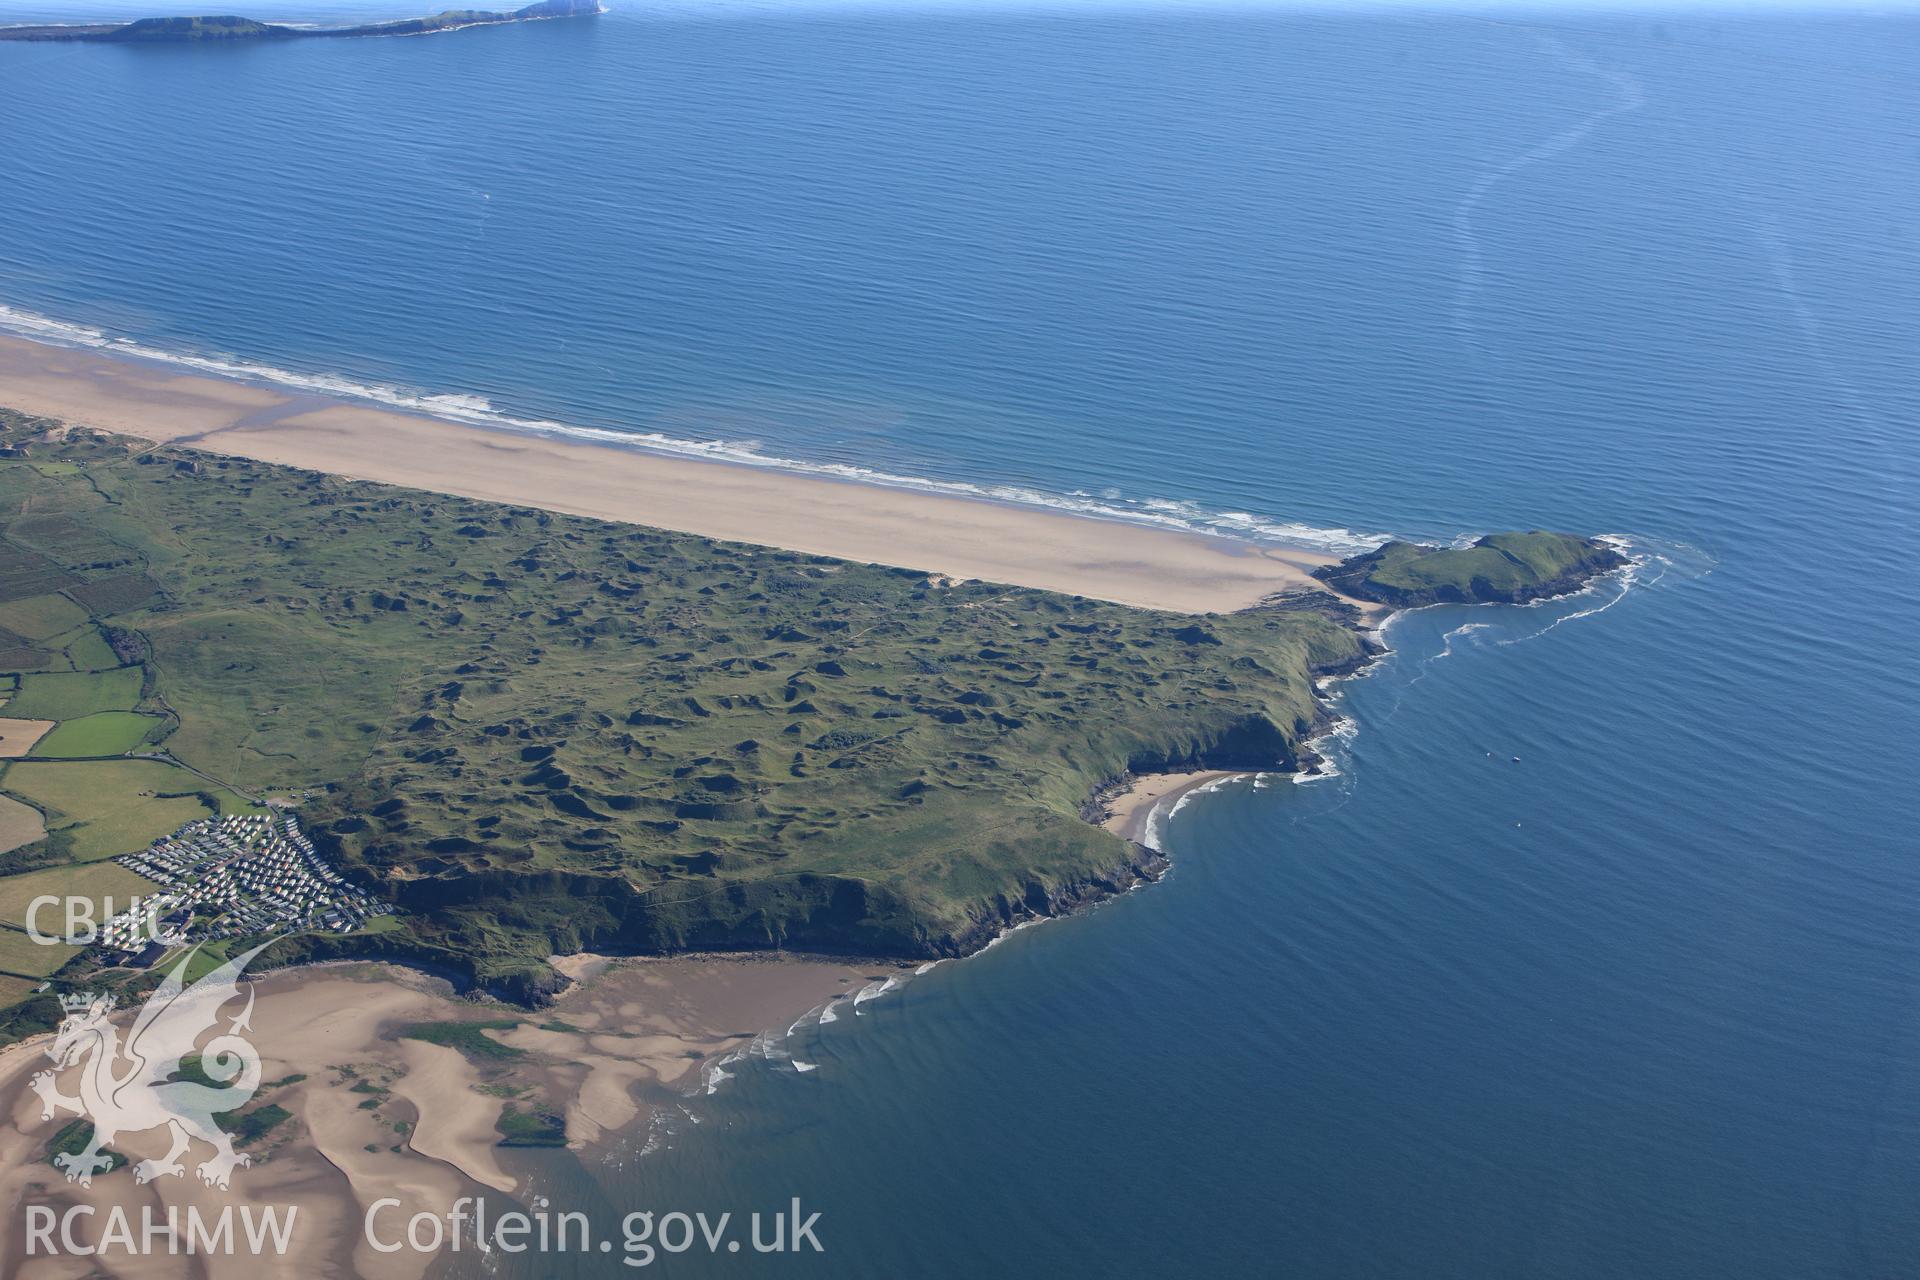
(536, 732)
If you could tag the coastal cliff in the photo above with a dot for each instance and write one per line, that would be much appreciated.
(1502, 568)
(536, 734)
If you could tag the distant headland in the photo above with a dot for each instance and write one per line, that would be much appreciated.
(224, 28)
(1502, 568)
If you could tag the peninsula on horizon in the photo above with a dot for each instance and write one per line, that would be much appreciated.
(221, 28)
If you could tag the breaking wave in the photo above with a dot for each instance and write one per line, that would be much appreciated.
(1187, 517)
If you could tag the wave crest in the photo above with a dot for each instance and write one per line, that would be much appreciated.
(1183, 516)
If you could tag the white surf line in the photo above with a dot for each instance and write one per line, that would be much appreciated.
(1629, 96)
(477, 410)
(1628, 576)
(1446, 650)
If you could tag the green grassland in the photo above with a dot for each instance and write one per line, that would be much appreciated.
(105, 733)
(23, 957)
(38, 617)
(85, 649)
(470, 1038)
(103, 808)
(535, 732)
(96, 881)
(523, 1128)
(1502, 567)
(70, 695)
(102, 883)
(19, 824)
(81, 648)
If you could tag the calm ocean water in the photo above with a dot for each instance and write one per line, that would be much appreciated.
(1644, 1003)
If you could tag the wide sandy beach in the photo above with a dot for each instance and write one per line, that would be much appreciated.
(957, 537)
(376, 1115)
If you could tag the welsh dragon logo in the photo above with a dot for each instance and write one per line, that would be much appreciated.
(132, 1088)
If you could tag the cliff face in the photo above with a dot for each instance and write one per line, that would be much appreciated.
(846, 914)
(538, 733)
(1502, 568)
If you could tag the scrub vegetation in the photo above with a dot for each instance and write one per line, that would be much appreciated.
(535, 733)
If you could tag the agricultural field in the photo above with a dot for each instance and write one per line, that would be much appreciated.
(104, 808)
(19, 824)
(87, 650)
(104, 733)
(97, 881)
(39, 617)
(72, 694)
(18, 737)
(23, 957)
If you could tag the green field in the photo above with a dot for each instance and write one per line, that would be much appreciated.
(470, 1038)
(96, 881)
(104, 808)
(19, 824)
(69, 695)
(105, 733)
(22, 957)
(38, 617)
(87, 650)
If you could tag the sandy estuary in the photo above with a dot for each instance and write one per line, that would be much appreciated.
(383, 1120)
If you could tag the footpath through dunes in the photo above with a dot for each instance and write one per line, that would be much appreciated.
(967, 538)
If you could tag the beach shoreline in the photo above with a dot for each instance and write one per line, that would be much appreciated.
(946, 536)
(1130, 812)
(328, 1036)
(626, 1026)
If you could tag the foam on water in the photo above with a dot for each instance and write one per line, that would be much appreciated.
(1249, 308)
(474, 410)
(873, 991)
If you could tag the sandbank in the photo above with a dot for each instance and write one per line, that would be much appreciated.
(376, 1115)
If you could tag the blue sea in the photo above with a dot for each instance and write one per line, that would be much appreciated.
(1600, 955)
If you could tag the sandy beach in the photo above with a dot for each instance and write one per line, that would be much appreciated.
(375, 1115)
(1130, 812)
(957, 537)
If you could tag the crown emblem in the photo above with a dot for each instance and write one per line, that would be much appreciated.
(81, 1001)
